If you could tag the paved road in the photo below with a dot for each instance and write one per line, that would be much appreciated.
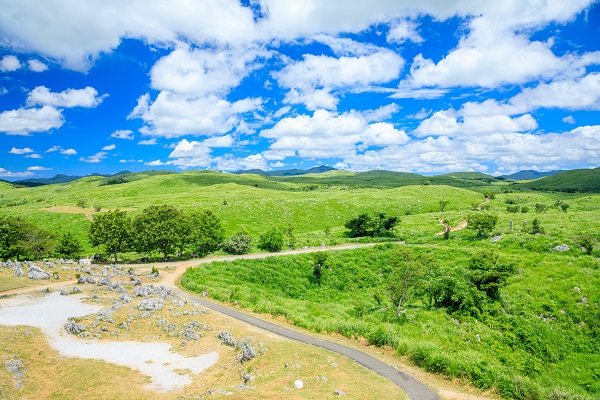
(415, 389)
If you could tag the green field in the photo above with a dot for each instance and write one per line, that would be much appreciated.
(539, 340)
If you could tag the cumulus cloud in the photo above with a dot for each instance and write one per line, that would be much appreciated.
(404, 30)
(25, 150)
(87, 97)
(95, 158)
(326, 134)
(122, 134)
(172, 115)
(312, 80)
(24, 121)
(9, 63)
(109, 147)
(569, 119)
(68, 152)
(34, 155)
(38, 168)
(37, 66)
(154, 163)
(6, 173)
(148, 142)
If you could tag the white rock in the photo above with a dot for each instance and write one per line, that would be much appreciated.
(298, 384)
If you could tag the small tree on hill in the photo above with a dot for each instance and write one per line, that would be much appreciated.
(484, 224)
(111, 230)
(319, 259)
(271, 240)
(488, 273)
(407, 268)
(162, 228)
(207, 233)
(379, 225)
(237, 244)
(69, 246)
(586, 242)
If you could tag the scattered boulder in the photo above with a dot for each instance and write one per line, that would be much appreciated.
(105, 282)
(125, 298)
(298, 384)
(339, 392)
(19, 272)
(15, 367)
(562, 247)
(35, 272)
(226, 338)
(74, 328)
(247, 377)
(496, 239)
(151, 305)
(64, 292)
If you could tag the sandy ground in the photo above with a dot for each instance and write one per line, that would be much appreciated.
(155, 360)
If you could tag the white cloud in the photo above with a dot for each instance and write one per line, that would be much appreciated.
(326, 134)
(404, 30)
(504, 151)
(9, 63)
(219, 141)
(192, 149)
(122, 134)
(312, 80)
(6, 173)
(23, 121)
(3, 90)
(277, 164)
(53, 149)
(25, 150)
(79, 33)
(131, 161)
(96, 158)
(34, 155)
(154, 163)
(87, 97)
(201, 72)
(441, 123)
(569, 119)
(38, 168)
(68, 152)
(148, 142)
(37, 66)
(109, 147)
(282, 111)
(230, 163)
(172, 115)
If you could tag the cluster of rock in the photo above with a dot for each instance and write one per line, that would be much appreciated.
(562, 247)
(15, 367)
(247, 352)
(74, 328)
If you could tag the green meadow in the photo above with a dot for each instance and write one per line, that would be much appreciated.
(539, 339)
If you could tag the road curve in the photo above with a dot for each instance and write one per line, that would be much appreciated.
(413, 388)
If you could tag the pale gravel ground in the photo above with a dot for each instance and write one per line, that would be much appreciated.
(51, 312)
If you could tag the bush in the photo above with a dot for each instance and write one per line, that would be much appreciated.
(524, 209)
(484, 224)
(512, 209)
(536, 227)
(237, 244)
(271, 240)
(586, 242)
(540, 208)
(379, 225)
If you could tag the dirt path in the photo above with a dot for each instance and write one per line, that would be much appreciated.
(461, 225)
(414, 389)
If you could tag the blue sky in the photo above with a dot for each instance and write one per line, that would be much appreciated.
(417, 86)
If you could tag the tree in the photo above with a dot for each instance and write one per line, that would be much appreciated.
(406, 271)
(288, 231)
(484, 224)
(319, 259)
(443, 204)
(162, 228)
(536, 227)
(112, 230)
(69, 246)
(237, 244)
(540, 207)
(207, 233)
(488, 273)
(379, 225)
(19, 237)
(271, 240)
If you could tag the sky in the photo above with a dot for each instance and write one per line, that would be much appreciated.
(425, 86)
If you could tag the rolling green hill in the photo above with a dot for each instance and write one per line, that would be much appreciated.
(574, 181)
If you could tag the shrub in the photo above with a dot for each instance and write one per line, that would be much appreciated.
(524, 209)
(512, 209)
(586, 242)
(484, 224)
(379, 225)
(237, 244)
(536, 227)
(540, 207)
(271, 240)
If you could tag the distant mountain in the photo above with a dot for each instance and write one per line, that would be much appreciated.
(574, 181)
(60, 178)
(529, 174)
(288, 172)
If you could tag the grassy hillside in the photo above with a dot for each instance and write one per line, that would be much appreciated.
(575, 181)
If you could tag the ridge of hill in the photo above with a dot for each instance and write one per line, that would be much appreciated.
(288, 172)
(574, 181)
(529, 174)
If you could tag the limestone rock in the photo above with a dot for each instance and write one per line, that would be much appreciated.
(35, 272)
(562, 247)
(74, 328)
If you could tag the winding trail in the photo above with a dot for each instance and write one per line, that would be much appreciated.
(413, 388)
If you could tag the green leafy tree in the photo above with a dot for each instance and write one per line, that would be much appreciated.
(69, 246)
(540, 207)
(271, 240)
(562, 205)
(19, 238)
(536, 227)
(112, 230)
(406, 270)
(290, 236)
(443, 204)
(164, 228)
(319, 260)
(484, 224)
(207, 233)
(489, 273)
(379, 225)
(237, 244)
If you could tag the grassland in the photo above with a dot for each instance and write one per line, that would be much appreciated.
(542, 341)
